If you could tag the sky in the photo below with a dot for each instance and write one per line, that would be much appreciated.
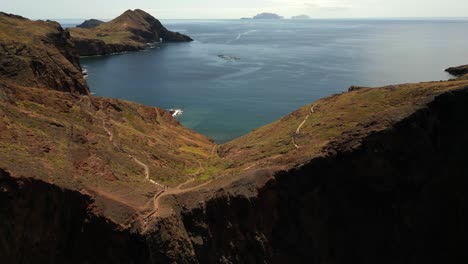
(215, 9)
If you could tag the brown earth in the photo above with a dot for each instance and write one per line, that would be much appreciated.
(374, 175)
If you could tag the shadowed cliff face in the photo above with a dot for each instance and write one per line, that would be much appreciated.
(128, 32)
(41, 223)
(39, 54)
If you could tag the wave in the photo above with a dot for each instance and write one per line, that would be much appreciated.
(239, 36)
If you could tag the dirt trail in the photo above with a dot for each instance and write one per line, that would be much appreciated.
(166, 190)
(298, 130)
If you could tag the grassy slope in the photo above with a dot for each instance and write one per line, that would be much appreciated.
(115, 31)
(372, 108)
(60, 138)
(24, 30)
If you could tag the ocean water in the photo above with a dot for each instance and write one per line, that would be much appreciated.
(241, 74)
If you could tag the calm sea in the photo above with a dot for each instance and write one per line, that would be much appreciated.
(242, 74)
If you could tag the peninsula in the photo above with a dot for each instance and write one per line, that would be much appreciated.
(131, 31)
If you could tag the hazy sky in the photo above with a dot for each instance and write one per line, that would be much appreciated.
(55, 9)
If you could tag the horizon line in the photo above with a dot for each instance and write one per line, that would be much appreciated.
(284, 18)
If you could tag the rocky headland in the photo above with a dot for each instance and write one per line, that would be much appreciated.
(373, 175)
(90, 23)
(458, 71)
(131, 31)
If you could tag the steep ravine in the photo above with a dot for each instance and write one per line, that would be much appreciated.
(398, 196)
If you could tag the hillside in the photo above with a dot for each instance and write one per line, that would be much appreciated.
(130, 31)
(39, 54)
(302, 135)
(373, 175)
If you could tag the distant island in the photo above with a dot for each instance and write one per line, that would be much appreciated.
(267, 16)
(91, 23)
(301, 17)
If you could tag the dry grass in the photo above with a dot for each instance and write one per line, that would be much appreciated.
(272, 144)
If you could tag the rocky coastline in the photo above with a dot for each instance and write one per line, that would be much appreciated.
(372, 175)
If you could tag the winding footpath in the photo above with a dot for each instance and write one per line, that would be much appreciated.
(166, 190)
(298, 130)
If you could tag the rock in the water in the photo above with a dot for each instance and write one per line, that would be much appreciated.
(458, 71)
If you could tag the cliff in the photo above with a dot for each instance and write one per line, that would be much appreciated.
(39, 54)
(373, 175)
(130, 31)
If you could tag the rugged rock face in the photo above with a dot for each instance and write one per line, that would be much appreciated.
(93, 47)
(39, 54)
(91, 23)
(42, 223)
(458, 71)
(129, 32)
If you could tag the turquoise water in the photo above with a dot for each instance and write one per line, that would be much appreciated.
(270, 68)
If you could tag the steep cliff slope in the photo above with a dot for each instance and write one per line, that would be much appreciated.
(39, 54)
(128, 32)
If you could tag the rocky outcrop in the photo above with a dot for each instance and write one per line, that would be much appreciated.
(39, 54)
(91, 23)
(130, 31)
(458, 71)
